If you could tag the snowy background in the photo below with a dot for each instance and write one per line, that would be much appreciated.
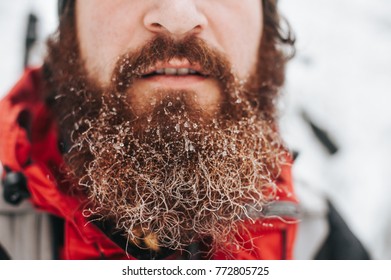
(341, 78)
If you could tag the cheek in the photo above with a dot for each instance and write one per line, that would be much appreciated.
(245, 50)
(239, 32)
(245, 55)
(105, 32)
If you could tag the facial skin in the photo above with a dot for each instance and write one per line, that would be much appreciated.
(110, 28)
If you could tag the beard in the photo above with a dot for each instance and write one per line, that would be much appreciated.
(174, 173)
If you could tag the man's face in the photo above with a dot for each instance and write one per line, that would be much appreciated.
(168, 108)
(108, 29)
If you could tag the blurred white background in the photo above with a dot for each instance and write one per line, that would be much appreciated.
(341, 77)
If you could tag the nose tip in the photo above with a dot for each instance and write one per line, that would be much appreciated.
(176, 18)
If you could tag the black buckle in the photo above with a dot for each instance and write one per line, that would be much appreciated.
(15, 187)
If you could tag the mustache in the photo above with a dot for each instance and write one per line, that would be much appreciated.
(162, 49)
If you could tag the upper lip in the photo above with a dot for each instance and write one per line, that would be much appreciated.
(175, 67)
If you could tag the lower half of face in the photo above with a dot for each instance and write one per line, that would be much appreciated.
(175, 145)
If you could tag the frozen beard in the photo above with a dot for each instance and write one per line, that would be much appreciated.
(173, 174)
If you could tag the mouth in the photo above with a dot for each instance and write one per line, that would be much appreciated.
(177, 76)
(174, 72)
(175, 67)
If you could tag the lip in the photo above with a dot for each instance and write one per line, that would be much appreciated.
(174, 82)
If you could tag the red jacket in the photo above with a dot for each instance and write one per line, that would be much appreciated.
(28, 144)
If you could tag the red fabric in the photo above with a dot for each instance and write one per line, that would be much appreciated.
(267, 239)
(82, 239)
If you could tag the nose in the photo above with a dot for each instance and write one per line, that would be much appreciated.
(175, 17)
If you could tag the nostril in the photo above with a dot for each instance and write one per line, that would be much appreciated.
(156, 25)
(197, 29)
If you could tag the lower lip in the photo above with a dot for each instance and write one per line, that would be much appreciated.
(174, 80)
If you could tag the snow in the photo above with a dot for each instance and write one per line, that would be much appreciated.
(13, 26)
(341, 77)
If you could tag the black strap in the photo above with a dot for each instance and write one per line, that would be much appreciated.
(341, 244)
(322, 135)
(3, 254)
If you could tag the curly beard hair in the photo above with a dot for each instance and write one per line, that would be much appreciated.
(174, 174)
